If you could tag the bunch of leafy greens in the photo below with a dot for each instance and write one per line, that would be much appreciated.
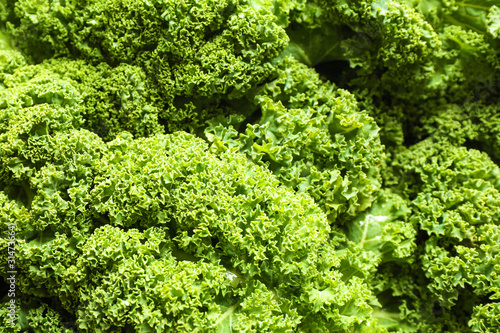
(250, 165)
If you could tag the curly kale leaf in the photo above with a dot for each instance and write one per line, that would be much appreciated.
(101, 221)
(197, 52)
(110, 100)
(454, 194)
(313, 137)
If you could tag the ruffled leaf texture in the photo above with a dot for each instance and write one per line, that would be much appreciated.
(196, 52)
(313, 137)
(110, 100)
(454, 195)
(160, 234)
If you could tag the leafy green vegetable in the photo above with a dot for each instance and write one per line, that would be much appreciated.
(313, 136)
(222, 226)
(249, 166)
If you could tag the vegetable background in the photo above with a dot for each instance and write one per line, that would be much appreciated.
(251, 165)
